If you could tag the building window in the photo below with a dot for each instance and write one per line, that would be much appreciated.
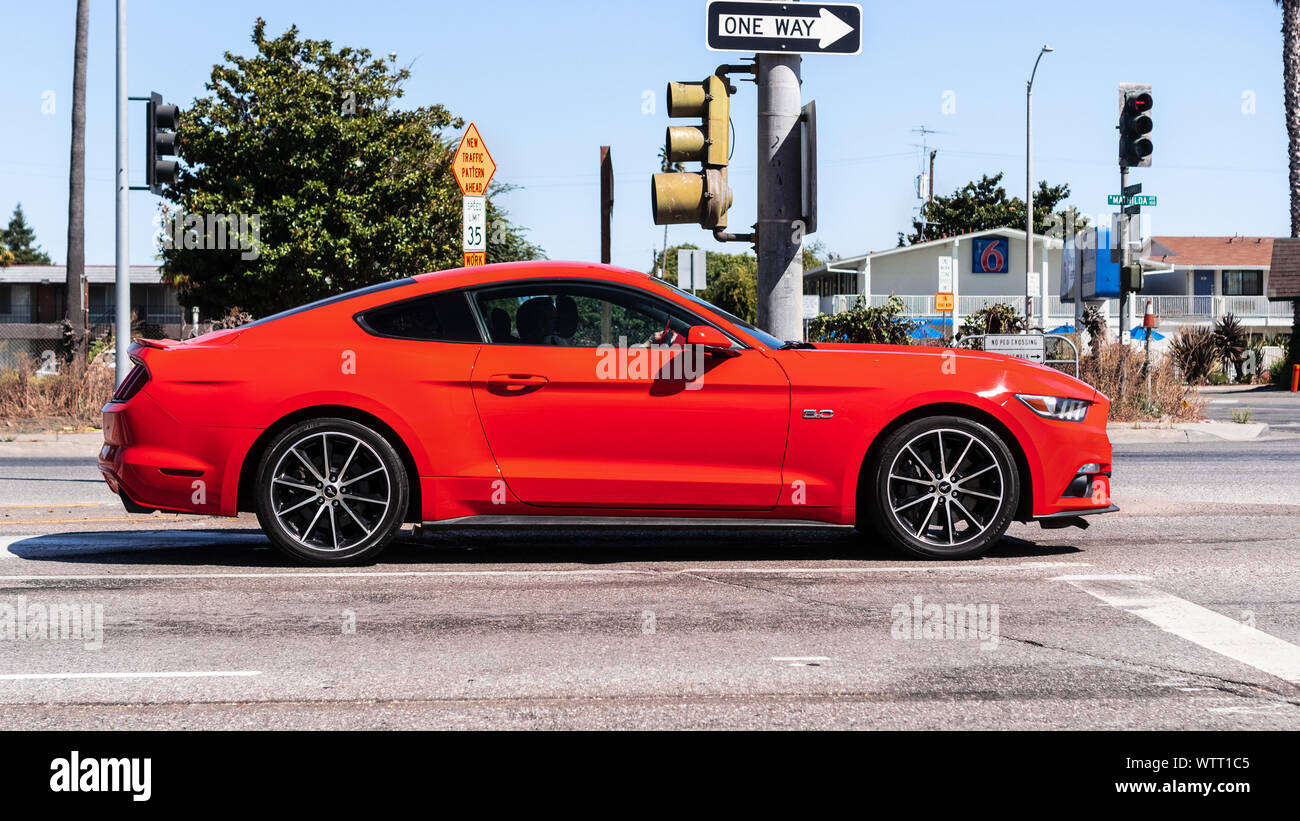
(1243, 283)
(103, 300)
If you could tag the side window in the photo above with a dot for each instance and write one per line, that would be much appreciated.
(444, 317)
(575, 314)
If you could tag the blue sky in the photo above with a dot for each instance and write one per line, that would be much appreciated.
(548, 82)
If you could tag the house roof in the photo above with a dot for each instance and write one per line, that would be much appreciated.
(1212, 252)
(58, 274)
(1284, 275)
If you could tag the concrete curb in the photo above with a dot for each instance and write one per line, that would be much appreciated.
(1144, 433)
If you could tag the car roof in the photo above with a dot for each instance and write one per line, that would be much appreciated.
(506, 271)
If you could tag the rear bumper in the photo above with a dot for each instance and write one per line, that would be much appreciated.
(154, 462)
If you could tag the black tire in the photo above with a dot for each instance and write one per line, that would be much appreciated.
(919, 502)
(364, 493)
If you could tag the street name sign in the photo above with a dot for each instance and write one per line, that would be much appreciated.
(1025, 346)
(1134, 199)
(473, 166)
(783, 28)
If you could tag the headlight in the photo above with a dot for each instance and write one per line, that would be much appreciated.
(1056, 407)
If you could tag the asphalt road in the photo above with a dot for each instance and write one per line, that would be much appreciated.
(1179, 612)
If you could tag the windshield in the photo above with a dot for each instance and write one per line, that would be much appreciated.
(759, 334)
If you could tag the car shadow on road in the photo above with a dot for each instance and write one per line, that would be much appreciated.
(496, 544)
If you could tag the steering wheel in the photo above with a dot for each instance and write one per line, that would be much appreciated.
(668, 336)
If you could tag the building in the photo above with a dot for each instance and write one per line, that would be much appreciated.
(1196, 280)
(32, 300)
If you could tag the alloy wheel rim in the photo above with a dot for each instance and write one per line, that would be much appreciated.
(946, 488)
(330, 491)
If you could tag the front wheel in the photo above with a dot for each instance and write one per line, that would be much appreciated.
(943, 487)
(331, 491)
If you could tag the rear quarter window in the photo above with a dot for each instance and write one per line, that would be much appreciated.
(444, 317)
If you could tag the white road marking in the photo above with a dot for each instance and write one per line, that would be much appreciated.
(381, 574)
(1197, 624)
(6, 541)
(165, 674)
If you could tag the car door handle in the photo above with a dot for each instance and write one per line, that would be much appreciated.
(515, 384)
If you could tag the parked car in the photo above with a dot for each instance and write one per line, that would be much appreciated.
(554, 388)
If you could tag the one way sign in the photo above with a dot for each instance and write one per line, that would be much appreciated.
(784, 28)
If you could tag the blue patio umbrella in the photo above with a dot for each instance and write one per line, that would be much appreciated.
(1140, 333)
(1062, 329)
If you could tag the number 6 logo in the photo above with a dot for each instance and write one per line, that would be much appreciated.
(991, 260)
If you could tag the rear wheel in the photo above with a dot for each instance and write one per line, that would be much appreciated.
(331, 491)
(943, 487)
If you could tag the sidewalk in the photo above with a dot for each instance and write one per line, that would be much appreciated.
(1146, 433)
(81, 443)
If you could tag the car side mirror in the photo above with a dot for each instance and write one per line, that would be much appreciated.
(708, 336)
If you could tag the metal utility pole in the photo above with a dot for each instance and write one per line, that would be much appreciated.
(122, 323)
(1029, 189)
(780, 245)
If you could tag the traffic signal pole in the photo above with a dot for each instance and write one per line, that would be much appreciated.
(779, 241)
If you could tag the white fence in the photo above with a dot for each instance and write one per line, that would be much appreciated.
(1251, 310)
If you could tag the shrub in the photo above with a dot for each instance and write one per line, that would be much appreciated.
(1230, 343)
(1169, 399)
(1193, 352)
(74, 397)
(879, 325)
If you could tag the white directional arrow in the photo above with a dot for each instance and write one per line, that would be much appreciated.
(826, 28)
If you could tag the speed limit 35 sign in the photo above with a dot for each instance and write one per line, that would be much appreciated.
(474, 230)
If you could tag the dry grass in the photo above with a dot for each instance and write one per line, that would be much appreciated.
(74, 398)
(1169, 401)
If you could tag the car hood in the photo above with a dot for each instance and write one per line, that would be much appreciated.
(1020, 375)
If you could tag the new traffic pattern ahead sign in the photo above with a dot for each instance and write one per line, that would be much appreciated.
(784, 28)
(473, 166)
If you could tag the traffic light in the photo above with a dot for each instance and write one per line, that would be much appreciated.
(696, 196)
(1130, 278)
(160, 141)
(1135, 105)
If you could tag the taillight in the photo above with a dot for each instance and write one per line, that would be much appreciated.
(135, 380)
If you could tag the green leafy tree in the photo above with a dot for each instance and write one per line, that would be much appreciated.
(983, 204)
(19, 240)
(347, 189)
(886, 324)
(732, 279)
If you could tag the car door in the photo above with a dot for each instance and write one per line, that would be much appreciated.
(580, 411)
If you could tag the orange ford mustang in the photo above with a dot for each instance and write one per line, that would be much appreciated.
(552, 388)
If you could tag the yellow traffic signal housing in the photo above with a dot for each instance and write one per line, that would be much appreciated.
(696, 196)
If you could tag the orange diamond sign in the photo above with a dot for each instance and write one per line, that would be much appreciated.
(473, 165)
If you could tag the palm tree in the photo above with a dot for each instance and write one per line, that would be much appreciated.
(76, 314)
(1291, 89)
